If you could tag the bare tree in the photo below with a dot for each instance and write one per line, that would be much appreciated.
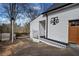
(28, 10)
(14, 11)
(10, 13)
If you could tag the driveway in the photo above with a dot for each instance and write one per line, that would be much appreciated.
(41, 49)
(24, 46)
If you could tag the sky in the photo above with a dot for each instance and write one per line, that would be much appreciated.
(36, 6)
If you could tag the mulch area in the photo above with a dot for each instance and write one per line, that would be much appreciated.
(8, 48)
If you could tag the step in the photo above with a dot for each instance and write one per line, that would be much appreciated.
(52, 43)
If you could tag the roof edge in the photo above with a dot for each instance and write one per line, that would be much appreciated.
(57, 8)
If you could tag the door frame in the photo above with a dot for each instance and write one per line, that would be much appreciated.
(44, 28)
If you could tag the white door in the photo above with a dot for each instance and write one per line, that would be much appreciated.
(42, 28)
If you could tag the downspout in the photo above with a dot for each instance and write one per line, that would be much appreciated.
(46, 25)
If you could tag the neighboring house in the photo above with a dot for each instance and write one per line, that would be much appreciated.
(59, 26)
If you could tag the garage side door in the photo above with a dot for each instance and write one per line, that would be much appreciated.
(74, 31)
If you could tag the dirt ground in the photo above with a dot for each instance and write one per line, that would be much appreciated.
(8, 48)
(26, 47)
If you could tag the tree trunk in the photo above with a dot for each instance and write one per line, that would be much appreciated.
(12, 31)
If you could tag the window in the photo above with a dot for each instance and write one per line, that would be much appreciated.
(74, 22)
